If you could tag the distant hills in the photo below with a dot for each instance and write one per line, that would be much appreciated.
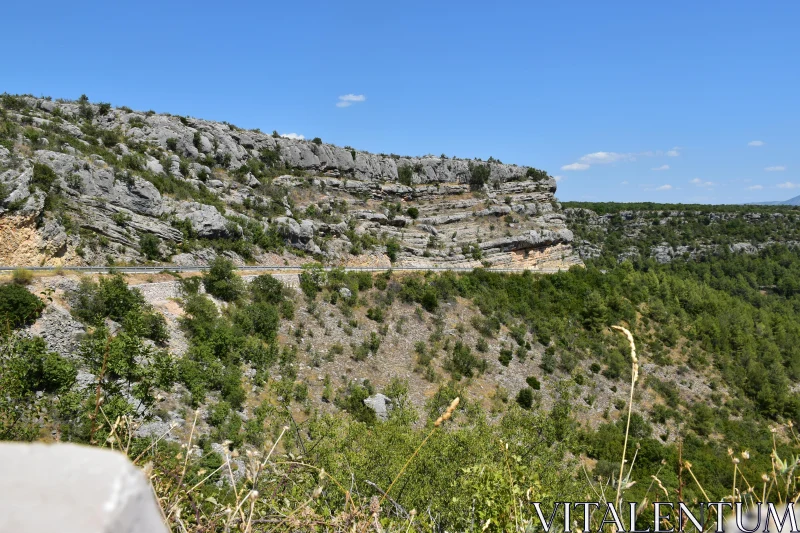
(790, 201)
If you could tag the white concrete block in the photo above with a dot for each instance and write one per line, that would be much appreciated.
(68, 488)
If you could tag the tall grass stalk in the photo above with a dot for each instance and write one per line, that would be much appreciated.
(634, 378)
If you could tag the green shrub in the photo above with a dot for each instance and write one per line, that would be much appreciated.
(109, 298)
(316, 140)
(18, 307)
(525, 398)
(392, 247)
(132, 162)
(33, 135)
(267, 289)
(271, 158)
(200, 316)
(27, 369)
(232, 390)
(84, 109)
(111, 138)
(413, 212)
(536, 174)
(190, 286)
(463, 363)
(218, 413)
(42, 370)
(172, 144)
(375, 313)
(533, 382)
(13, 102)
(478, 176)
(312, 279)
(405, 175)
(265, 320)
(221, 280)
(148, 246)
(43, 177)
(548, 363)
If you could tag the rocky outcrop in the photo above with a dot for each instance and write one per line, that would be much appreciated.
(379, 403)
(121, 175)
(206, 220)
(60, 331)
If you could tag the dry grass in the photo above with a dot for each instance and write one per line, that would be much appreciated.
(251, 510)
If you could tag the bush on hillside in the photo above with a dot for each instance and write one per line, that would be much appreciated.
(148, 246)
(18, 307)
(266, 289)
(478, 176)
(43, 177)
(108, 298)
(405, 175)
(525, 398)
(221, 280)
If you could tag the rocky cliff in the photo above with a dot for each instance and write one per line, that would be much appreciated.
(84, 183)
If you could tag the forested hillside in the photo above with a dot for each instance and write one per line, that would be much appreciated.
(617, 231)
(351, 376)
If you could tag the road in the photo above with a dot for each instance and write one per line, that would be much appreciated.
(263, 268)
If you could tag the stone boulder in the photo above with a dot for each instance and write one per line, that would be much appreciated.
(206, 221)
(380, 404)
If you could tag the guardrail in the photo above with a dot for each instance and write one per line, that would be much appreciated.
(198, 268)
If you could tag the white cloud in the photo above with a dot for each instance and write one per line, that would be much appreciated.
(575, 166)
(666, 187)
(623, 183)
(558, 178)
(346, 100)
(755, 187)
(777, 168)
(674, 152)
(788, 185)
(662, 167)
(604, 158)
(598, 158)
(293, 136)
(700, 183)
(755, 143)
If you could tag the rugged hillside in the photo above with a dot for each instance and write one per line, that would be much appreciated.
(349, 371)
(612, 232)
(84, 183)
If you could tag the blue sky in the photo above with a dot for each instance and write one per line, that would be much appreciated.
(630, 101)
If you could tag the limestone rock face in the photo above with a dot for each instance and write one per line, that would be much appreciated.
(74, 489)
(98, 180)
(121, 175)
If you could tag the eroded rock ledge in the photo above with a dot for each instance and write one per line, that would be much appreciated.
(85, 184)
